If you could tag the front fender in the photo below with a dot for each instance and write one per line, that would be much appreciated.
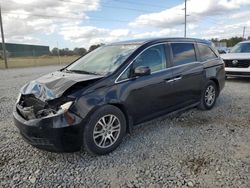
(87, 102)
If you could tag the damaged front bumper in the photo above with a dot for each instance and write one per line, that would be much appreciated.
(44, 111)
(59, 133)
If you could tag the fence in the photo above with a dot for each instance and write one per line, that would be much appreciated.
(28, 59)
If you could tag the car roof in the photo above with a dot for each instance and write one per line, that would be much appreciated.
(246, 41)
(150, 40)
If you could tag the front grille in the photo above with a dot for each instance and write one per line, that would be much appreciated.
(239, 64)
(238, 73)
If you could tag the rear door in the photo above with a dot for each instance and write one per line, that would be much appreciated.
(188, 73)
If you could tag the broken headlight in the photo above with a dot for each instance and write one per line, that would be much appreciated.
(64, 107)
(18, 98)
(52, 112)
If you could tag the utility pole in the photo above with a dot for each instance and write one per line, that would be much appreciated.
(244, 29)
(3, 43)
(58, 53)
(185, 25)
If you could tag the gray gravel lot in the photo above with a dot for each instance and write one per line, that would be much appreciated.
(192, 149)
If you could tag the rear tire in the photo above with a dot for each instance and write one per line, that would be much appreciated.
(209, 96)
(104, 131)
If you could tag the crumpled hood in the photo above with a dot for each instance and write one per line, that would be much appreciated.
(53, 85)
(238, 56)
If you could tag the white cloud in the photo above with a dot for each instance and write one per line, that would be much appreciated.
(192, 26)
(196, 9)
(120, 32)
(240, 15)
(27, 17)
(159, 33)
(81, 32)
(166, 18)
(24, 39)
(25, 20)
(88, 35)
(225, 31)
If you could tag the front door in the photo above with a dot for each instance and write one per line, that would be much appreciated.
(149, 96)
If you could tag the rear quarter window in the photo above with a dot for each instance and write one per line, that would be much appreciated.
(206, 53)
(183, 53)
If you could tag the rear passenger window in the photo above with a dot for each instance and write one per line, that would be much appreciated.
(183, 53)
(206, 53)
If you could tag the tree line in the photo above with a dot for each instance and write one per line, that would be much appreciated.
(231, 41)
(75, 51)
(82, 51)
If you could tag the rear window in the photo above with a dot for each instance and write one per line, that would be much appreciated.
(206, 53)
(183, 53)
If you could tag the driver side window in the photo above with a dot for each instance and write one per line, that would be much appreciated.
(153, 57)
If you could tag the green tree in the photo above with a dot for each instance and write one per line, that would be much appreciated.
(231, 41)
(66, 52)
(80, 51)
(54, 51)
(93, 47)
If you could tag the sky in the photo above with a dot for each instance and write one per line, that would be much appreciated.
(81, 23)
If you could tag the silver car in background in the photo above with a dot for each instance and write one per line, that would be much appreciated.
(237, 61)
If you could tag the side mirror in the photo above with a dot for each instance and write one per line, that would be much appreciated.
(142, 71)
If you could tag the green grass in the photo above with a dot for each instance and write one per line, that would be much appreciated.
(21, 62)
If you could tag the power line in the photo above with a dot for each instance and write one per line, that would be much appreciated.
(108, 6)
(67, 17)
(137, 3)
(79, 18)
(41, 15)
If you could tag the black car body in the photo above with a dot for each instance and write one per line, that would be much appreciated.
(62, 110)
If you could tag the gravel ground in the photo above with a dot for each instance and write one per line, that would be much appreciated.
(192, 149)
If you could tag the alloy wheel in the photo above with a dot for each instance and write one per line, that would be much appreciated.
(210, 95)
(106, 131)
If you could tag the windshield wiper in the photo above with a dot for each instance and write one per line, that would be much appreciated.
(66, 70)
(81, 72)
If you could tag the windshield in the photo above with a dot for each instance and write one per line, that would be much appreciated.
(241, 48)
(104, 60)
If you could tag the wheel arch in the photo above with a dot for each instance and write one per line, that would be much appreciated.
(129, 120)
(217, 84)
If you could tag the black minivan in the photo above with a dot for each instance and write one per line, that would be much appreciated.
(96, 100)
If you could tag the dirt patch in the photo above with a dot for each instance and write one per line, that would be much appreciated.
(196, 164)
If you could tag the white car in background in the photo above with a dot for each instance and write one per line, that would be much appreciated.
(237, 61)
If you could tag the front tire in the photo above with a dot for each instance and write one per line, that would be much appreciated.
(104, 131)
(209, 96)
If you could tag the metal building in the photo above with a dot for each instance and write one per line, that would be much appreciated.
(24, 50)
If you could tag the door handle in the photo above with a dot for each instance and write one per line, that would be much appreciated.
(173, 79)
(169, 80)
(178, 78)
